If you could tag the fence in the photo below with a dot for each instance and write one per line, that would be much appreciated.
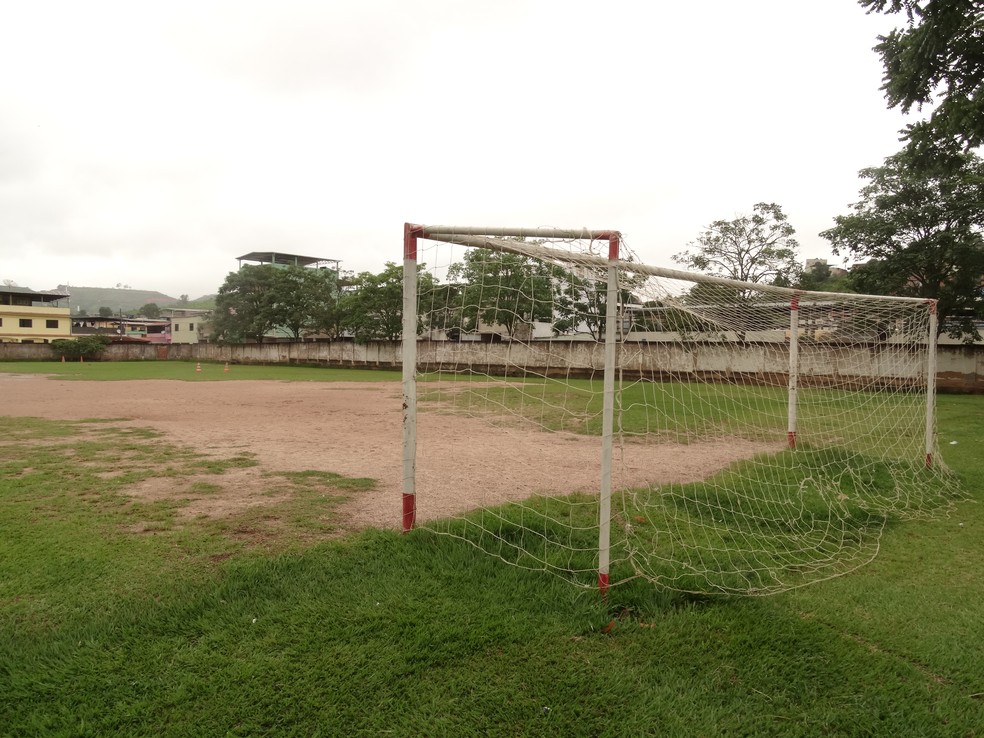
(960, 368)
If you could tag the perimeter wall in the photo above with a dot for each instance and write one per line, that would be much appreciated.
(960, 367)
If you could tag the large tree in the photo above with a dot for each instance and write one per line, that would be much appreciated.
(936, 60)
(304, 299)
(373, 309)
(150, 310)
(260, 298)
(243, 307)
(504, 289)
(920, 229)
(752, 248)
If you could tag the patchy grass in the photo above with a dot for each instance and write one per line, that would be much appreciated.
(189, 628)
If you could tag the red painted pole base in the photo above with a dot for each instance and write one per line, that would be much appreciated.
(791, 439)
(409, 512)
(603, 584)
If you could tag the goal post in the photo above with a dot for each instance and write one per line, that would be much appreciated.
(570, 409)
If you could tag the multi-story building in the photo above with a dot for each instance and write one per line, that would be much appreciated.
(30, 316)
(188, 325)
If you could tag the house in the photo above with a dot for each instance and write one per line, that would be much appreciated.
(30, 316)
(187, 325)
(119, 328)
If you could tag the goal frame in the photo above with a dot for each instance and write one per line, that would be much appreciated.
(486, 237)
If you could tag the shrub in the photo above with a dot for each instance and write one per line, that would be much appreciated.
(86, 347)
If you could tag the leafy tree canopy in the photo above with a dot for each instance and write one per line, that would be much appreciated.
(920, 229)
(504, 289)
(242, 307)
(373, 310)
(150, 310)
(936, 59)
(751, 248)
(260, 298)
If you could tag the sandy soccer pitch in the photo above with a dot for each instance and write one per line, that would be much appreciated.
(353, 429)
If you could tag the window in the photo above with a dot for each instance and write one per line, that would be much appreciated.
(1, 321)
(26, 323)
(191, 326)
(51, 324)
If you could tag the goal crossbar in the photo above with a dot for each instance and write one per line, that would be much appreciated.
(481, 238)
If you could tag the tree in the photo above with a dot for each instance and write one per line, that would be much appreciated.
(150, 310)
(243, 305)
(105, 312)
(373, 310)
(583, 301)
(323, 293)
(86, 347)
(505, 289)
(755, 248)
(260, 298)
(936, 59)
(183, 300)
(821, 278)
(921, 230)
(441, 306)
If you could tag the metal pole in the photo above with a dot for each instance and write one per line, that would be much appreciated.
(607, 421)
(793, 369)
(931, 384)
(409, 365)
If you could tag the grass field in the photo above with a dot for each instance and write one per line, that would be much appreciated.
(185, 628)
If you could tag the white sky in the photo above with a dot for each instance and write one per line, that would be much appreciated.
(151, 143)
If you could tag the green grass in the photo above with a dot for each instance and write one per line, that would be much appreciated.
(870, 422)
(186, 371)
(123, 616)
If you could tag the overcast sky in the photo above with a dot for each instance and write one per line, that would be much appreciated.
(151, 143)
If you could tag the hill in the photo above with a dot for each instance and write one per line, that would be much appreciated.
(90, 299)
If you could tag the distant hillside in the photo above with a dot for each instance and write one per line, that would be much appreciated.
(205, 302)
(90, 299)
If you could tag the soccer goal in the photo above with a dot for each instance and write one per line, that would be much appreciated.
(570, 409)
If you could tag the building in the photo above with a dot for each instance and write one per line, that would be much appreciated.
(30, 316)
(187, 325)
(120, 328)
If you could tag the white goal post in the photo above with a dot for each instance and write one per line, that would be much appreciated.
(748, 438)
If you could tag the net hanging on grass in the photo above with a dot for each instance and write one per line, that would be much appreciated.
(606, 420)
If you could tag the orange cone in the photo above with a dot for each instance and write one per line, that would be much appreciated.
(226, 367)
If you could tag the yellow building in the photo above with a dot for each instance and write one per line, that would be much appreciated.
(29, 316)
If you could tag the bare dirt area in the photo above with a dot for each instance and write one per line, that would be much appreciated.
(355, 429)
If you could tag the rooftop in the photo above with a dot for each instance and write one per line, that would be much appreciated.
(274, 257)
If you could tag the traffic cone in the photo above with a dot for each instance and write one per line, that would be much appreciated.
(226, 367)
(63, 359)
(198, 366)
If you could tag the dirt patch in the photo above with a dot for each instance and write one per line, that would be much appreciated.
(354, 429)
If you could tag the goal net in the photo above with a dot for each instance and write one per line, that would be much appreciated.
(572, 410)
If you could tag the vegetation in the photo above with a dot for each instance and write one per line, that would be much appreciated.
(751, 248)
(935, 60)
(88, 348)
(259, 299)
(820, 278)
(151, 310)
(373, 309)
(128, 616)
(920, 229)
(502, 288)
